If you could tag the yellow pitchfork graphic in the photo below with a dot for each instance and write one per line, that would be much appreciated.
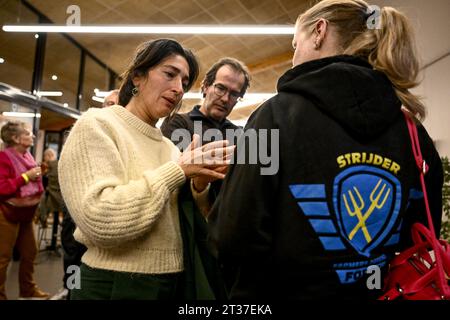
(357, 208)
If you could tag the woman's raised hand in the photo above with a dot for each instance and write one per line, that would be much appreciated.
(199, 160)
(34, 174)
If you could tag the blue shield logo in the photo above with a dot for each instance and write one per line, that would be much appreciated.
(367, 203)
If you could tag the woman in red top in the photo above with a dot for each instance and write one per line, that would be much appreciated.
(20, 190)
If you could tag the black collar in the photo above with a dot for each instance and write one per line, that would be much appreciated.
(196, 114)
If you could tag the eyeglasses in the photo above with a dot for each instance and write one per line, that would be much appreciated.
(221, 90)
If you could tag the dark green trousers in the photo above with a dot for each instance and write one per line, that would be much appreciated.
(99, 284)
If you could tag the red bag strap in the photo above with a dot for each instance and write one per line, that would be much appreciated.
(421, 164)
(423, 169)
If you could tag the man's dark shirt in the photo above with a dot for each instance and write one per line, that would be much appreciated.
(187, 121)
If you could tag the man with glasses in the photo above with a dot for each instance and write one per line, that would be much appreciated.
(224, 85)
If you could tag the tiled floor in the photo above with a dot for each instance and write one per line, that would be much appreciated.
(48, 272)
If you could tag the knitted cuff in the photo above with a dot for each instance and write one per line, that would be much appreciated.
(171, 174)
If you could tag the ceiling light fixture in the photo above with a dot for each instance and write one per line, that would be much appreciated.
(36, 36)
(49, 93)
(54, 77)
(2, 60)
(198, 95)
(258, 96)
(248, 100)
(98, 99)
(158, 29)
(22, 114)
(101, 94)
(192, 95)
(248, 96)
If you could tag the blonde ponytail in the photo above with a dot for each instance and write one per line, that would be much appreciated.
(389, 49)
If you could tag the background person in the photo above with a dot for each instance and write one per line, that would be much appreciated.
(52, 201)
(346, 192)
(111, 99)
(72, 249)
(20, 185)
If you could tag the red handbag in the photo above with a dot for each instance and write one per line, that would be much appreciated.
(420, 272)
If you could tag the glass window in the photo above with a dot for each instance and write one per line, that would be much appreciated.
(95, 77)
(61, 68)
(17, 50)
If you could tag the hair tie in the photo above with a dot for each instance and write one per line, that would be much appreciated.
(368, 15)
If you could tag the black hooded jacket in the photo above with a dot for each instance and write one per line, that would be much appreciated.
(343, 198)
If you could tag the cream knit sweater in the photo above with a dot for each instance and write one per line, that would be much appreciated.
(120, 183)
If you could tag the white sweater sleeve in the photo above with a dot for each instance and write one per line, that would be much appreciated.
(107, 207)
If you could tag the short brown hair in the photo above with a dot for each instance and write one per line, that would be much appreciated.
(12, 129)
(234, 64)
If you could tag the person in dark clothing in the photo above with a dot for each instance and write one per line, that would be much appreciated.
(73, 251)
(195, 121)
(347, 190)
(224, 84)
(53, 202)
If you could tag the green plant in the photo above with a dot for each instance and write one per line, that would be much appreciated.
(445, 230)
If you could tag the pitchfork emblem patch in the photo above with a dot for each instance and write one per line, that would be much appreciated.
(367, 202)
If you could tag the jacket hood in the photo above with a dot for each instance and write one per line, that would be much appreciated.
(349, 90)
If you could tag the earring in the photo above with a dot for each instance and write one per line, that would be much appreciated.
(135, 91)
(317, 44)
